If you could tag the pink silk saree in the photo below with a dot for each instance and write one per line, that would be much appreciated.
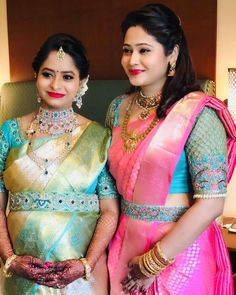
(143, 178)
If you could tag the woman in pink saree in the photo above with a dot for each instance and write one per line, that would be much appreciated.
(172, 154)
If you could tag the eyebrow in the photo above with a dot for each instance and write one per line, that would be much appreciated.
(63, 72)
(138, 44)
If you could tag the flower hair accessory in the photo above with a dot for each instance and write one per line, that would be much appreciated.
(84, 87)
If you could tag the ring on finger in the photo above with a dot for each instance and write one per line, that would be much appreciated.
(40, 279)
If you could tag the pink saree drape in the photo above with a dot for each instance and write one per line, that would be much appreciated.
(143, 177)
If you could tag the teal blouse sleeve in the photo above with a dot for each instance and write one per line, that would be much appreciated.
(9, 137)
(112, 116)
(206, 151)
(106, 188)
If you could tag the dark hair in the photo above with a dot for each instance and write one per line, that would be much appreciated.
(70, 45)
(163, 24)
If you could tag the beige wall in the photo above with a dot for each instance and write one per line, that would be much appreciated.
(4, 52)
(226, 58)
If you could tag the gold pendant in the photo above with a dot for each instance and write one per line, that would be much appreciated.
(130, 143)
(144, 115)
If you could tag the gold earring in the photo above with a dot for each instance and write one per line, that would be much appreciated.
(172, 70)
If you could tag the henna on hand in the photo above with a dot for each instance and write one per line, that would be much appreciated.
(29, 267)
(136, 280)
(64, 273)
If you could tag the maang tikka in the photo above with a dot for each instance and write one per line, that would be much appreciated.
(60, 54)
(78, 98)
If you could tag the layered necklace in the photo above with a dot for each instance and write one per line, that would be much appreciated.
(147, 103)
(54, 124)
(131, 139)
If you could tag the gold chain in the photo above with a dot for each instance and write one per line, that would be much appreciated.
(131, 139)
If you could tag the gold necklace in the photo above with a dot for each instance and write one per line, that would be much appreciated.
(147, 103)
(131, 139)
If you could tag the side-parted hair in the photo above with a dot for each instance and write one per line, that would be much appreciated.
(164, 25)
(70, 45)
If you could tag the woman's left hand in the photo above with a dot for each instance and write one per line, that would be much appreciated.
(136, 280)
(68, 271)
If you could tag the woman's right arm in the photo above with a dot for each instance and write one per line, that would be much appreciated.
(5, 245)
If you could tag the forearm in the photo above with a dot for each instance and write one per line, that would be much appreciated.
(191, 225)
(5, 244)
(104, 231)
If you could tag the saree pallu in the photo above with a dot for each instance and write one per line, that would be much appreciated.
(53, 216)
(143, 179)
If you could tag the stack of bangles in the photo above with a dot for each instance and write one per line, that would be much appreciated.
(6, 266)
(154, 261)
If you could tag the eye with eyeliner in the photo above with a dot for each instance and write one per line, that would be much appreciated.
(47, 74)
(144, 50)
(127, 50)
(68, 77)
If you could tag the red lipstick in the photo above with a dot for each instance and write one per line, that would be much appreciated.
(55, 94)
(135, 72)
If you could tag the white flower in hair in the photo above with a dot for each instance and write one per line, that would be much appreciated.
(83, 87)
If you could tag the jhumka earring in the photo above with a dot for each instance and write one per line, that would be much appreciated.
(60, 54)
(78, 98)
(172, 70)
(38, 98)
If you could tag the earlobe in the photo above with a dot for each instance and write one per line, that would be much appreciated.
(174, 55)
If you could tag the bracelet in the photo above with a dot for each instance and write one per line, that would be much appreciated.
(154, 261)
(162, 256)
(6, 273)
(87, 268)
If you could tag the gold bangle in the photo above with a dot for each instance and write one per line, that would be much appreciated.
(157, 261)
(6, 273)
(167, 260)
(143, 269)
(87, 268)
(152, 265)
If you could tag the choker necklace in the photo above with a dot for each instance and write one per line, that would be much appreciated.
(147, 103)
(53, 123)
(131, 139)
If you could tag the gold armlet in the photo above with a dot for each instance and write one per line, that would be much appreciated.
(87, 268)
(6, 266)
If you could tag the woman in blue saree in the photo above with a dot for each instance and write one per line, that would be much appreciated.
(62, 201)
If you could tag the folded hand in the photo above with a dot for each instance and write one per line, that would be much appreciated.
(63, 274)
(29, 267)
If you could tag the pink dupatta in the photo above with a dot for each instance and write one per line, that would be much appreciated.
(179, 124)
